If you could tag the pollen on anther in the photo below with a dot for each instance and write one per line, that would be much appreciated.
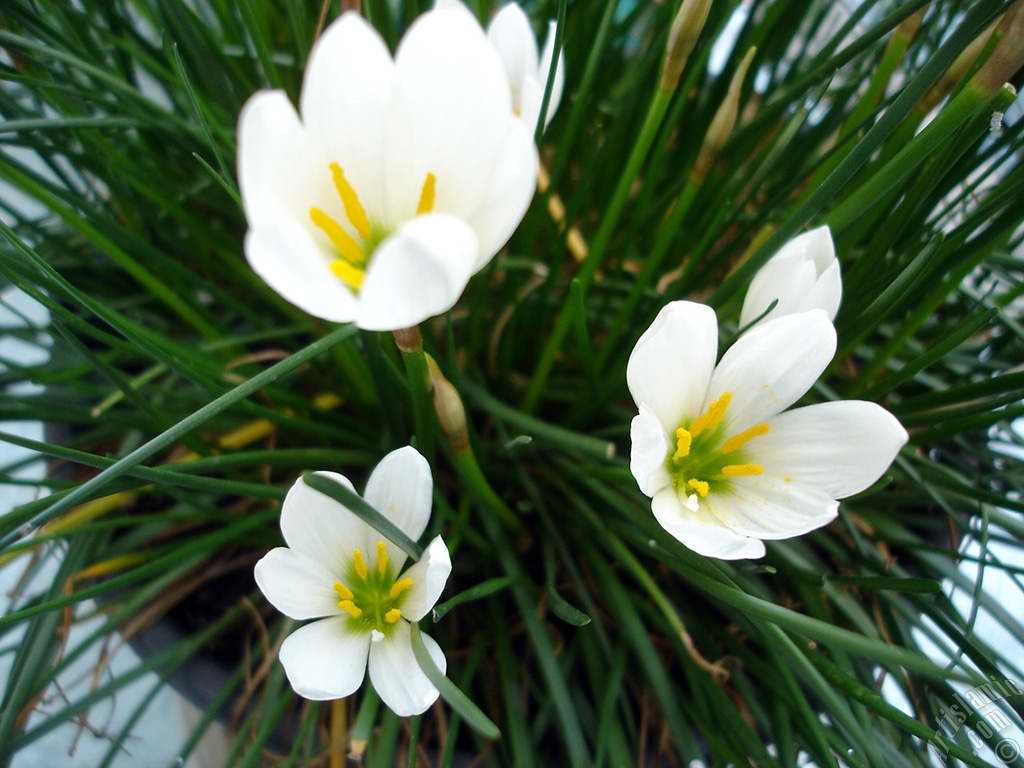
(712, 416)
(700, 486)
(736, 442)
(351, 275)
(399, 587)
(427, 195)
(382, 557)
(393, 615)
(343, 592)
(360, 564)
(353, 208)
(683, 441)
(350, 250)
(352, 608)
(742, 470)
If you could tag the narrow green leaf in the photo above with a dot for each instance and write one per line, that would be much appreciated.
(456, 699)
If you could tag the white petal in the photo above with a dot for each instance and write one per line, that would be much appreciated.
(274, 159)
(512, 36)
(816, 246)
(318, 526)
(840, 447)
(700, 531)
(326, 659)
(296, 584)
(786, 281)
(826, 293)
(509, 192)
(459, 102)
(771, 366)
(416, 273)
(771, 507)
(531, 95)
(648, 450)
(545, 67)
(429, 576)
(351, 104)
(400, 488)
(284, 254)
(397, 677)
(671, 365)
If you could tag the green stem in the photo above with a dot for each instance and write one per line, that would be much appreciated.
(598, 246)
(470, 472)
(410, 344)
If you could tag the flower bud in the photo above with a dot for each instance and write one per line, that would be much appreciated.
(722, 124)
(802, 276)
(682, 37)
(451, 414)
(1008, 56)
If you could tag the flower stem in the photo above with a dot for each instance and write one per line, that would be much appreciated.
(470, 472)
(339, 732)
(599, 246)
(410, 344)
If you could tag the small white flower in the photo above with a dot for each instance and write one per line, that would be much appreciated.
(803, 275)
(725, 463)
(512, 36)
(402, 179)
(336, 566)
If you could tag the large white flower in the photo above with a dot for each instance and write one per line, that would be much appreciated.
(803, 275)
(512, 36)
(336, 566)
(725, 463)
(402, 178)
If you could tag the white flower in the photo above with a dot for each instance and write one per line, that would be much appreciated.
(403, 177)
(337, 566)
(724, 462)
(803, 275)
(512, 36)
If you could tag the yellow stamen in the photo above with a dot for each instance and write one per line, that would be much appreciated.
(399, 587)
(353, 208)
(360, 564)
(740, 470)
(351, 276)
(737, 441)
(699, 486)
(393, 615)
(343, 592)
(349, 248)
(382, 557)
(352, 608)
(427, 195)
(683, 441)
(712, 416)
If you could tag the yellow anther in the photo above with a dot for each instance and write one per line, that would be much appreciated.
(699, 486)
(350, 250)
(392, 616)
(353, 208)
(382, 558)
(712, 416)
(352, 608)
(683, 441)
(740, 470)
(351, 276)
(343, 592)
(361, 569)
(399, 587)
(737, 441)
(426, 204)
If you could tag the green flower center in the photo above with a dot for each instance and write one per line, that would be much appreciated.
(705, 458)
(372, 597)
